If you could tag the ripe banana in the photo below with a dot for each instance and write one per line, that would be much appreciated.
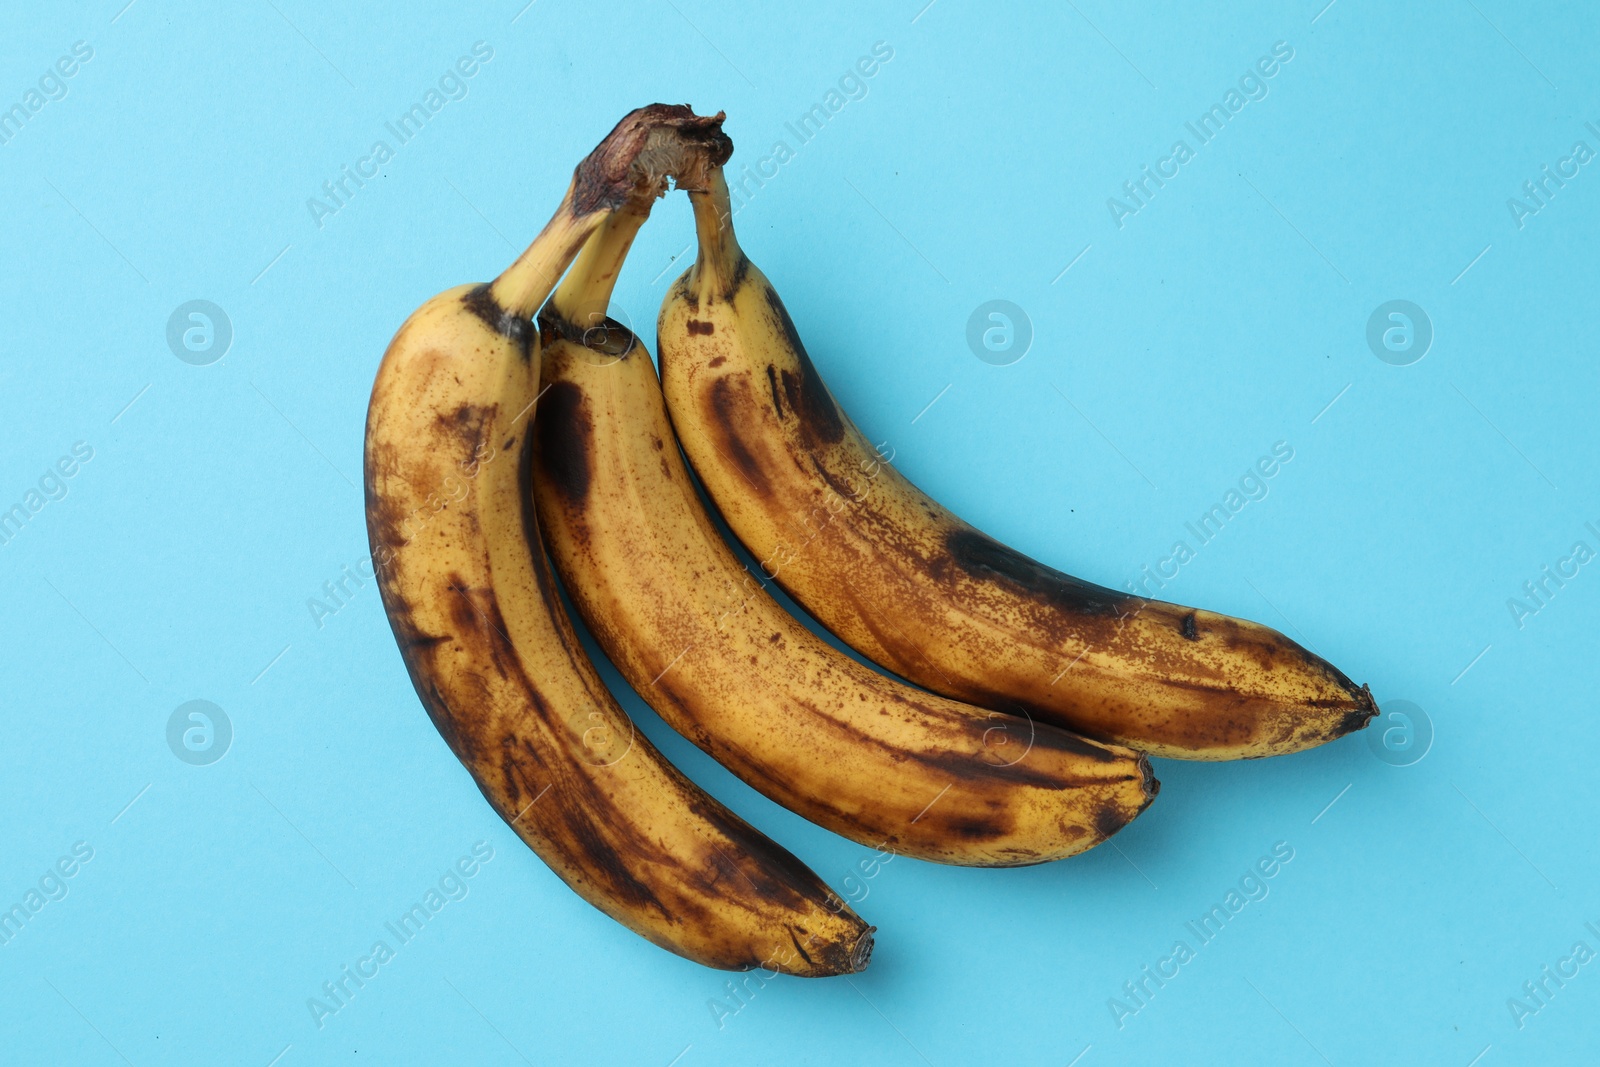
(912, 587)
(474, 608)
(702, 641)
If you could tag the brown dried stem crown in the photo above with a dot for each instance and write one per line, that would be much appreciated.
(650, 145)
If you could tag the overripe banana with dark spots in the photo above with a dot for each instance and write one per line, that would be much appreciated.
(703, 642)
(915, 589)
(474, 608)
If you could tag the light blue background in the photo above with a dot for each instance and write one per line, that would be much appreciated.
(1223, 317)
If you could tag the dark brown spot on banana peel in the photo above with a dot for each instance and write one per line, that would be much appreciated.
(542, 572)
(741, 270)
(982, 557)
(609, 338)
(462, 612)
(747, 840)
(735, 281)
(564, 428)
(1187, 628)
(418, 651)
(1046, 736)
(705, 329)
(986, 773)
(385, 518)
(589, 832)
(682, 292)
(772, 383)
(419, 640)
(481, 302)
(466, 421)
(726, 409)
(977, 829)
(1108, 819)
(1110, 816)
(468, 425)
(808, 397)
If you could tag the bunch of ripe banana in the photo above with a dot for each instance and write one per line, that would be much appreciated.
(491, 436)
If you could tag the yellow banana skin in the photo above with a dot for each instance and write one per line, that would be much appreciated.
(473, 604)
(699, 638)
(910, 586)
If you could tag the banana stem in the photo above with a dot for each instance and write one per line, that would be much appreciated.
(524, 285)
(627, 170)
(585, 293)
(719, 254)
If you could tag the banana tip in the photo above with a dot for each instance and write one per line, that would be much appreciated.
(1150, 783)
(1364, 712)
(861, 951)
